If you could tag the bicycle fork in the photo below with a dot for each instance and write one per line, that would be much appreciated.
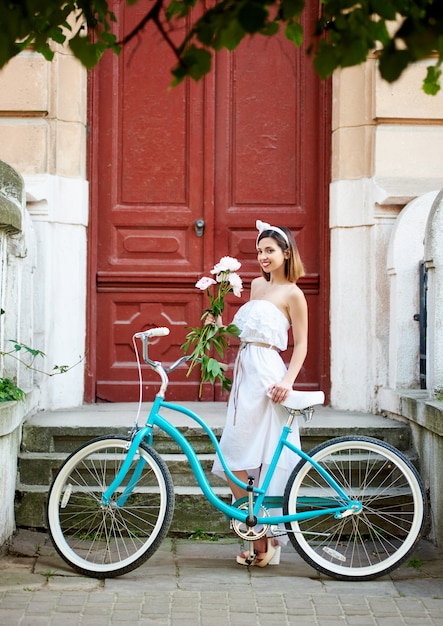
(136, 439)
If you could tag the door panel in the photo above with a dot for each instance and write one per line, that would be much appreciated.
(269, 142)
(249, 142)
(149, 194)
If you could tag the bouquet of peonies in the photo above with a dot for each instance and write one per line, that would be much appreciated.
(212, 334)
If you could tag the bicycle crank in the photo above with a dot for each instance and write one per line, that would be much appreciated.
(246, 532)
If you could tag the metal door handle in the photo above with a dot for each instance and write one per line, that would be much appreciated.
(199, 227)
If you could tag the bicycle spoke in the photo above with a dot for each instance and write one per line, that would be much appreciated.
(375, 540)
(109, 539)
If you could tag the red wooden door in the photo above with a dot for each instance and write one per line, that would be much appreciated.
(250, 141)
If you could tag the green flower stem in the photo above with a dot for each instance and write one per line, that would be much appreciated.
(210, 336)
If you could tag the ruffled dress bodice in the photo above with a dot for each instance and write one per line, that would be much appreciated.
(262, 321)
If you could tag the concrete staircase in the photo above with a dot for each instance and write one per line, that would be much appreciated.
(49, 437)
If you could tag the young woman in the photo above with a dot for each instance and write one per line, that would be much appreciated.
(261, 379)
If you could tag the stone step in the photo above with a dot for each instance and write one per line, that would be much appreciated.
(49, 437)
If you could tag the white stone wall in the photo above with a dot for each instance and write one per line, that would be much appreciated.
(16, 295)
(43, 136)
(58, 206)
(387, 148)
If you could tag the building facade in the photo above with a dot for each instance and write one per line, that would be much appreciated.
(386, 155)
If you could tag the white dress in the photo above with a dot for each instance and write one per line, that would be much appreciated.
(254, 422)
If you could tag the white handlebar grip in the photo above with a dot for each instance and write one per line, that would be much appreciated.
(161, 331)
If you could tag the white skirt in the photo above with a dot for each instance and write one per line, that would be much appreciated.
(254, 423)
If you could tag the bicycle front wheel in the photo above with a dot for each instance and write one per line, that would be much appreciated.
(364, 545)
(106, 540)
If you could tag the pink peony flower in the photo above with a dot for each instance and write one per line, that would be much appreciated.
(205, 282)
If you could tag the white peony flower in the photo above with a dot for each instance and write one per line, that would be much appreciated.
(236, 283)
(226, 264)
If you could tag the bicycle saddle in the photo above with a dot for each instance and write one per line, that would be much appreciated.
(299, 400)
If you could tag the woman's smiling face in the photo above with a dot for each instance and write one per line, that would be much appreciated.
(269, 254)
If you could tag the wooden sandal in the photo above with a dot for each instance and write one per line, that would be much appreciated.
(270, 557)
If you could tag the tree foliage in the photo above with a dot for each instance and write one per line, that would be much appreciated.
(401, 31)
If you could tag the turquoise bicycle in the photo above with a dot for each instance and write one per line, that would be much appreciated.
(353, 508)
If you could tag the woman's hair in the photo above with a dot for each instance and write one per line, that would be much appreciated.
(294, 268)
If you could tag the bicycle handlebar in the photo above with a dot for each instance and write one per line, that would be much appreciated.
(157, 366)
(161, 331)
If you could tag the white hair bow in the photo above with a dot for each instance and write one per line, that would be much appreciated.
(262, 226)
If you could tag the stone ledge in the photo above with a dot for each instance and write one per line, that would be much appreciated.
(415, 406)
(12, 415)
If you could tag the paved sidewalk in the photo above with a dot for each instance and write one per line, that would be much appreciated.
(190, 582)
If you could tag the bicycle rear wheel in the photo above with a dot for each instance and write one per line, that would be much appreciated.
(373, 542)
(109, 540)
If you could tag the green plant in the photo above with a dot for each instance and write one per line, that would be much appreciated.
(34, 353)
(415, 563)
(9, 391)
(212, 334)
(401, 31)
(200, 535)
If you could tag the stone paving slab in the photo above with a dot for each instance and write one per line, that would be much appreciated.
(198, 583)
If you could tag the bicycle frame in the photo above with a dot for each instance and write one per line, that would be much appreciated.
(340, 505)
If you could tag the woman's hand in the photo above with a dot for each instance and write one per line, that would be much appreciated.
(279, 391)
(210, 319)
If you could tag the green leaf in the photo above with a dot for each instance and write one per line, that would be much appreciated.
(384, 8)
(291, 8)
(219, 348)
(378, 32)
(87, 52)
(431, 83)
(270, 29)
(196, 62)
(9, 391)
(232, 329)
(229, 36)
(45, 50)
(205, 34)
(213, 366)
(22, 346)
(392, 62)
(178, 8)
(354, 53)
(57, 35)
(111, 40)
(294, 32)
(252, 16)
(325, 61)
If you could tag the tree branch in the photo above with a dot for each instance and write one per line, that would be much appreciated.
(154, 15)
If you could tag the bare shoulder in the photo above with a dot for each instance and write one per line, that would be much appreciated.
(257, 286)
(295, 293)
(295, 298)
